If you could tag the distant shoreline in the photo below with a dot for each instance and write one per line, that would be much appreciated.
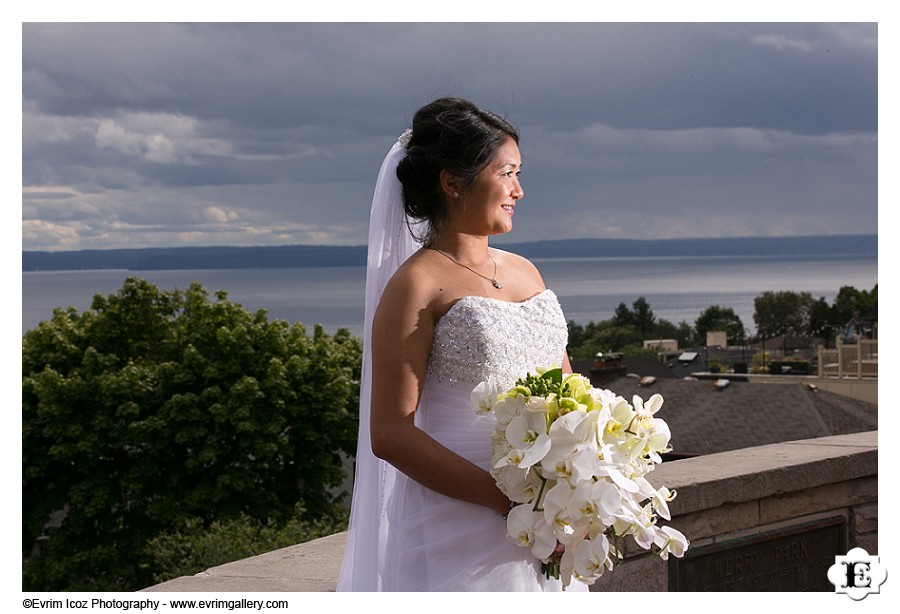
(303, 256)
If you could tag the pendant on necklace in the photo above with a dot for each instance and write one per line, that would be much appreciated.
(497, 284)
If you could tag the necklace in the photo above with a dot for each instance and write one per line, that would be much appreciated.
(492, 279)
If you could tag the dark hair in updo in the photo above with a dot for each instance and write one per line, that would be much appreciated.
(449, 134)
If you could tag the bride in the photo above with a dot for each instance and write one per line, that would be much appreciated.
(451, 312)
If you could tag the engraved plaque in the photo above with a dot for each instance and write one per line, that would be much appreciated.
(791, 559)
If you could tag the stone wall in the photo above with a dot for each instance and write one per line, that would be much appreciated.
(764, 518)
(761, 517)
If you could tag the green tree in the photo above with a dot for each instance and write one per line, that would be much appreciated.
(616, 338)
(849, 301)
(623, 316)
(578, 333)
(644, 320)
(155, 408)
(199, 545)
(625, 331)
(777, 313)
(683, 333)
(716, 318)
(583, 339)
(586, 341)
(822, 321)
(640, 316)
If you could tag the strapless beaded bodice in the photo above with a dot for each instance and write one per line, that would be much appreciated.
(481, 338)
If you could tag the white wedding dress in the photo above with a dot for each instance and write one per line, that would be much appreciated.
(403, 536)
(437, 543)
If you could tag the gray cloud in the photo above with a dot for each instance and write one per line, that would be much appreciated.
(250, 134)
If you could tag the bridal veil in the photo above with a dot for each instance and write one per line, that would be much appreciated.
(390, 244)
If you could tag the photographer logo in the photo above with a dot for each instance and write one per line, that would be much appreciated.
(857, 574)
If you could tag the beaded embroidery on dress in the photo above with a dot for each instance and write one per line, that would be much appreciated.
(437, 543)
(481, 337)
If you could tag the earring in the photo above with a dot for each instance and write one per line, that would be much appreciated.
(456, 195)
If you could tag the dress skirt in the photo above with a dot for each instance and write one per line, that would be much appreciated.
(437, 543)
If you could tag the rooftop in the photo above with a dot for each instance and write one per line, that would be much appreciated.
(705, 418)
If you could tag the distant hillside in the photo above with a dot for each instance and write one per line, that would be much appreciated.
(299, 256)
(172, 258)
(740, 246)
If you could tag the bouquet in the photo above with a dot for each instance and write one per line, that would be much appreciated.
(573, 459)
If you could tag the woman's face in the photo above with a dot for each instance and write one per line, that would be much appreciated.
(487, 207)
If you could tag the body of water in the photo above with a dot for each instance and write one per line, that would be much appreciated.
(589, 289)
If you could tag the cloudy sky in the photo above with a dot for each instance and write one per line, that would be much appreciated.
(145, 135)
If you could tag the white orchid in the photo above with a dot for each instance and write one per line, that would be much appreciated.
(658, 440)
(621, 415)
(670, 541)
(526, 528)
(571, 447)
(568, 529)
(659, 499)
(512, 458)
(520, 486)
(528, 432)
(484, 396)
(650, 435)
(613, 463)
(592, 558)
(508, 406)
(641, 525)
(512, 482)
(534, 485)
(575, 459)
(606, 399)
(600, 500)
(649, 407)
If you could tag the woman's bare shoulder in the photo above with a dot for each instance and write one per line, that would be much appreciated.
(520, 264)
(411, 285)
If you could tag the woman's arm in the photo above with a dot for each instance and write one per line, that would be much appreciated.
(566, 365)
(402, 333)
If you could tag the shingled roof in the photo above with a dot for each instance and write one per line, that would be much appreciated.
(705, 418)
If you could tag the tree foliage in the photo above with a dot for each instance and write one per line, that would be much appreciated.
(683, 333)
(830, 320)
(625, 331)
(850, 301)
(777, 313)
(640, 317)
(822, 321)
(200, 545)
(585, 341)
(782, 312)
(716, 318)
(644, 320)
(622, 316)
(155, 408)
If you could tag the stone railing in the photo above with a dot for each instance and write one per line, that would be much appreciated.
(765, 518)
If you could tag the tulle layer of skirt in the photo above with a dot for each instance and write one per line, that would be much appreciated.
(437, 543)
